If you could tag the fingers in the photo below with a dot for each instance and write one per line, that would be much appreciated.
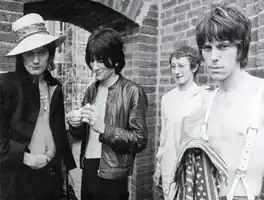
(86, 114)
(50, 154)
(73, 115)
(69, 114)
(156, 176)
(43, 158)
(86, 120)
(90, 120)
(90, 107)
(41, 161)
(156, 180)
(75, 123)
(89, 114)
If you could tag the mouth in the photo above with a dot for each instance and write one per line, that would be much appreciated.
(178, 76)
(97, 74)
(215, 67)
(36, 68)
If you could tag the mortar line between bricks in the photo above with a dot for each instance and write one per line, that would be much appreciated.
(144, 34)
(4, 22)
(10, 11)
(10, 1)
(5, 31)
(148, 26)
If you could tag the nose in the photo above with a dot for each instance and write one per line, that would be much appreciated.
(215, 55)
(176, 70)
(95, 65)
(36, 59)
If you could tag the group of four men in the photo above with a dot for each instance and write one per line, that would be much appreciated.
(111, 122)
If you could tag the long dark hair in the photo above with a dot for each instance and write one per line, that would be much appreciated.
(20, 68)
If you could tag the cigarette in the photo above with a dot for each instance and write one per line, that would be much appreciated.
(91, 82)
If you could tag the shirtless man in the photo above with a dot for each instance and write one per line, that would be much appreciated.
(223, 37)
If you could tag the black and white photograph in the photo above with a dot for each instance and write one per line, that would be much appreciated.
(131, 99)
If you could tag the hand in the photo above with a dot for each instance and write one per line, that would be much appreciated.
(89, 115)
(74, 117)
(50, 154)
(157, 175)
(41, 161)
(36, 161)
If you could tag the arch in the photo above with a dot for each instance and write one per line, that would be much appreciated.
(118, 14)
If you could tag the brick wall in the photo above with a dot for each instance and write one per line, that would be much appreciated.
(141, 58)
(177, 26)
(10, 10)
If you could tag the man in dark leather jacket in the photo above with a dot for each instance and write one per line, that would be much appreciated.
(111, 122)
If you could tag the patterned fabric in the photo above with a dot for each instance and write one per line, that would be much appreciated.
(30, 30)
(199, 171)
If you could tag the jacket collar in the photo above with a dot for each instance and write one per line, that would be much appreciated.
(120, 78)
(26, 78)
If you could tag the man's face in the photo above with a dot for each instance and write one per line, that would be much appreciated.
(102, 73)
(181, 70)
(36, 61)
(220, 59)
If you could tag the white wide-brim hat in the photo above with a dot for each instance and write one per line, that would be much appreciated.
(31, 33)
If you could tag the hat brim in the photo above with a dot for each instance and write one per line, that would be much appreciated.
(35, 41)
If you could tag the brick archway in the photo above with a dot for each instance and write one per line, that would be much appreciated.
(90, 14)
(133, 9)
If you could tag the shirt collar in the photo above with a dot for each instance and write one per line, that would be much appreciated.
(113, 84)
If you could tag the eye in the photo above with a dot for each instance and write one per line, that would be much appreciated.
(207, 48)
(42, 52)
(100, 60)
(173, 66)
(223, 46)
(28, 54)
(181, 66)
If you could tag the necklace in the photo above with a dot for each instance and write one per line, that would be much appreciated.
(45, 99)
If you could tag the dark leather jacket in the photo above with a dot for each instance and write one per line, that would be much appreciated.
(125, 128)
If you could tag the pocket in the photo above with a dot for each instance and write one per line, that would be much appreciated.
(124, 160)
(115, 159)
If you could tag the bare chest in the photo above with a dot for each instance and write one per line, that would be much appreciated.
(227, 125)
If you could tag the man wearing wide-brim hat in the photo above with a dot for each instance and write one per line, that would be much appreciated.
(33, 138)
